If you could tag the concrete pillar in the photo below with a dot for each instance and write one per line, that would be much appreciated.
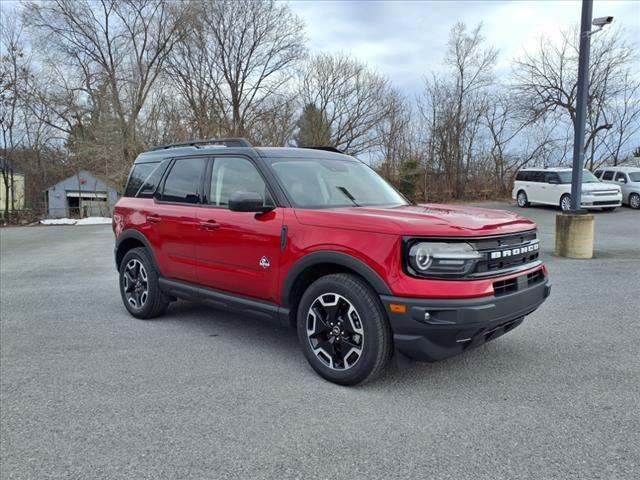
(574, 235)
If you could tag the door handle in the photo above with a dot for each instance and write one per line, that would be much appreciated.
(209, 225)
(153, 219)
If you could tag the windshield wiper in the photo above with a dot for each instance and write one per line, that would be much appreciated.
(348, 195)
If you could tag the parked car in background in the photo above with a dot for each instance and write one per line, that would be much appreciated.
(552, 186)
(627, 178)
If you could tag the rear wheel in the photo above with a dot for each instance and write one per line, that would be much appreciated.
(565, 202)
(522, 199)
(139, 285)
(634, 201)
(343, 330)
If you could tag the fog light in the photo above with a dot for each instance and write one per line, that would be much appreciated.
(427, 316)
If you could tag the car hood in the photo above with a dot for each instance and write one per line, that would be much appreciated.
(422, 220)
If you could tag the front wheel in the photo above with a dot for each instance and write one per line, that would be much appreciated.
(565, 203)
(634, 201)
(343, 330)
(522, 199)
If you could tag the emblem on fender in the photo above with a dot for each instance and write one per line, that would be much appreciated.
(264, 263)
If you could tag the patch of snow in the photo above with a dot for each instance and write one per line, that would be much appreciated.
(71, 221)
(94, 221)
(58, 221)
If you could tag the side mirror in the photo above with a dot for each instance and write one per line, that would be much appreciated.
(248, 202)
(554, 181)
(622, 180)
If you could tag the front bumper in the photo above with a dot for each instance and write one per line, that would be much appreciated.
(600, 201)
(453, 326)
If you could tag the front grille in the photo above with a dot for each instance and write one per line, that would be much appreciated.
(602, 193)
(505, 253)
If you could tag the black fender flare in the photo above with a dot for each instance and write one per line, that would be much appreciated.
(136, 235)
(336, 258)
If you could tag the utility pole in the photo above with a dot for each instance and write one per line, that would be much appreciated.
(581, 106)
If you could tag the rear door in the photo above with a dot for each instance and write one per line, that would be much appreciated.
(238, 252)
(172, 218)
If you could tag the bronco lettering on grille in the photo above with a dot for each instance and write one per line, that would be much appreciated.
(511, 252)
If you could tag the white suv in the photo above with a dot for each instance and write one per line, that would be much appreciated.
(552, 186)
(627, 178)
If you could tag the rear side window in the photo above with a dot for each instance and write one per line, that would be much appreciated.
(536, 176)
(183, 181)
(139, 174)
(608, 175)
(551, 177)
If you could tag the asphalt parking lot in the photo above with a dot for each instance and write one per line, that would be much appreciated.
(88, 392)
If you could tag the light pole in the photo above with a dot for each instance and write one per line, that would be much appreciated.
(581, 100)
(575, 229)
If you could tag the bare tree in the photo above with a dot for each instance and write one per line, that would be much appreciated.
(350, 96)
(236, 62)
(118, 44)
(453, 106)
(546, 85)
(14, 71)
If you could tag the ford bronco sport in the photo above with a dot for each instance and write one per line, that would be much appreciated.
(317, 240)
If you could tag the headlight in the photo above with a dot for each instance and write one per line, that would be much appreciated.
(440, 259)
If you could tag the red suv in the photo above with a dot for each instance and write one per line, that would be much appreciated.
(317, 240)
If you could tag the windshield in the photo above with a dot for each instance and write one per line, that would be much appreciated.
(323, 183)
(587, 177)
(634, 176)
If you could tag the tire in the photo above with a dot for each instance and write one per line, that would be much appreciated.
(634, 201)
(139, 286)
(522, 200)
(565, 202)
(350, 350)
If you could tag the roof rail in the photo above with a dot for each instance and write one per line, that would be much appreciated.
(326, 149)
(227, 142)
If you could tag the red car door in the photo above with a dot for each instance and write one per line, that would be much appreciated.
(173, 218)
(237, 252)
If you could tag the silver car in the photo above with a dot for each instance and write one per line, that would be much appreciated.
(628, 178)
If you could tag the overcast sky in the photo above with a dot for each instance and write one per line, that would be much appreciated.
(406, 39)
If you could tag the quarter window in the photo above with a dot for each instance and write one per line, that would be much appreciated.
(182, 183)
(235, 174)
(139, 174)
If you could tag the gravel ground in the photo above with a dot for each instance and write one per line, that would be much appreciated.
(88, 392)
